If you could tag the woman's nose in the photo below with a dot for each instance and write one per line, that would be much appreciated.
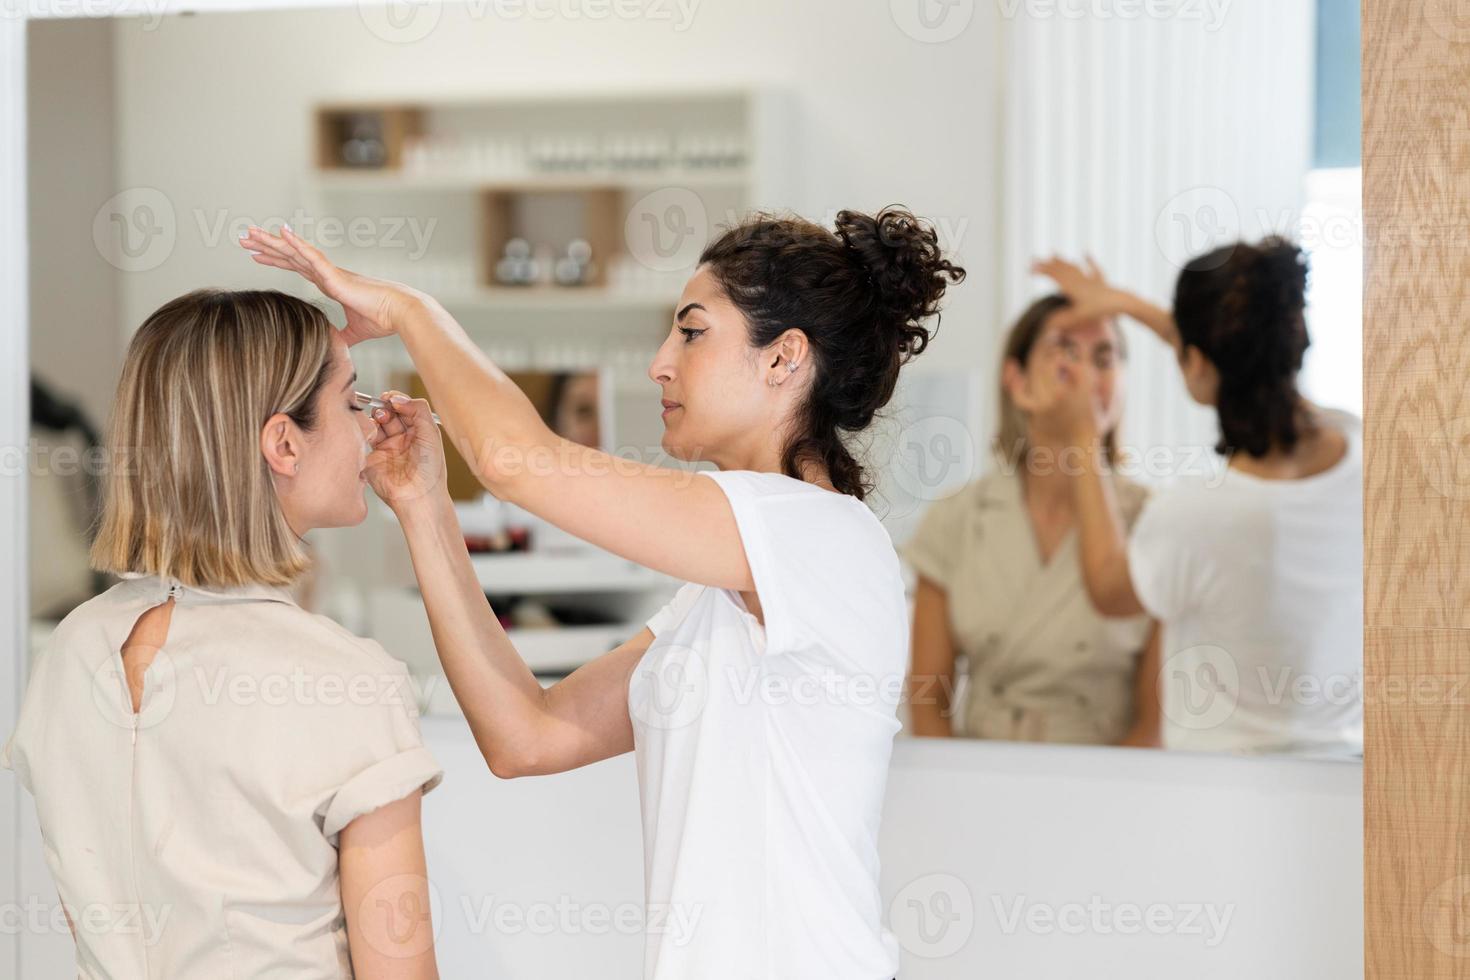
(661, 371)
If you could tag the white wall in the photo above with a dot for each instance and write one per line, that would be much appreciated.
(883, 117)
(1145, 141)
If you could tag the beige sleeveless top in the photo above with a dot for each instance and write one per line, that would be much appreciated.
(200, 834)
(1042, 664)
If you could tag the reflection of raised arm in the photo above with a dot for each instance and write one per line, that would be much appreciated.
(1093, 296)
(1102, 535)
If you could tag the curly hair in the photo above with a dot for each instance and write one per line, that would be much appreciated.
(861, 293)
(1243, 306)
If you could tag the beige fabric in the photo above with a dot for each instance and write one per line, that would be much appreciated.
(206, 825)
(1043, 665)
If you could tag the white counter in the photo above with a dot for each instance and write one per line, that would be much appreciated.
(1011, 862)
(1007, 862)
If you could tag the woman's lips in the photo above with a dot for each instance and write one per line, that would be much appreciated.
(669, 407)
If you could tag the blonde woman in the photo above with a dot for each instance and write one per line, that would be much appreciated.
(237, 778)
(1000, 582)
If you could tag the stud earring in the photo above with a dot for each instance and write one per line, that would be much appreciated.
(295, 468)
(791, 366)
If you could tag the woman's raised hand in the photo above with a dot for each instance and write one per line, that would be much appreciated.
(1092, 296)
(374, 307)
(407, 462)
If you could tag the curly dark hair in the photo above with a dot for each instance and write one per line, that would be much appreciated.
(861, 293)
(1244, 307)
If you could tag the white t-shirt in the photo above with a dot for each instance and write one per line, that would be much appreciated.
(763, 752)
(1259, 586)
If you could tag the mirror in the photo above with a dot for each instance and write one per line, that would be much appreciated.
(559, 217)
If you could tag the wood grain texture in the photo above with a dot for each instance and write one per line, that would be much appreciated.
(1416, 211)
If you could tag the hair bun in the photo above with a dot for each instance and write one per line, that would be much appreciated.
(902, 259)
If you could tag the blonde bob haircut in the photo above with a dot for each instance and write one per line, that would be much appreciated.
(188, 495)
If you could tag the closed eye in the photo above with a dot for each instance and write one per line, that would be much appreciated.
(689, 333)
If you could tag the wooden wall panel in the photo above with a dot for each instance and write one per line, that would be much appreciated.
(1416, 189)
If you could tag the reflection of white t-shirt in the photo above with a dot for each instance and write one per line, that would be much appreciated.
(763, 752)
(1259, 585)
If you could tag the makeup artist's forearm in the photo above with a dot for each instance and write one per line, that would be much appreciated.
(1156, 318)
(607, 500)
(502, 700)
(521, 729)
(483, 410)
(1103, 538)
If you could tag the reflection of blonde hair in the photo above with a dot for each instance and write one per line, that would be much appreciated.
(188, 494)
(1011, 444)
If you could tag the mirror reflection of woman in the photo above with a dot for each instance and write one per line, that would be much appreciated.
(1256, 572)
(1000, 583)
(762, 749)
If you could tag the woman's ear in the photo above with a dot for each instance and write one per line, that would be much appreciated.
(1201, 377)
(789, 354)
(280, 444)
(1013, 380)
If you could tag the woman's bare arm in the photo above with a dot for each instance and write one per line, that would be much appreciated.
(385, 894)
(931, 673)
(666, 519)
(521, 729)
(1145, 733)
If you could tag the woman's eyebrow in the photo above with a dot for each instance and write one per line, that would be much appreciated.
(350, 381)
(692, 306)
